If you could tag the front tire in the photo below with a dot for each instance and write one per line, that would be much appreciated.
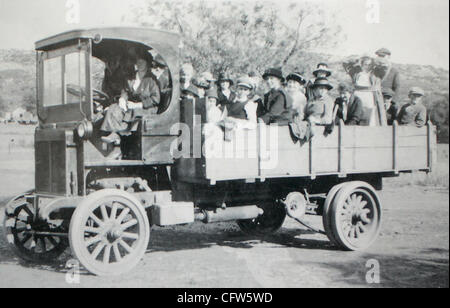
(20, 225)
(109, 232)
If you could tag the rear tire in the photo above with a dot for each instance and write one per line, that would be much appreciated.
(269, 222)
(354, 216)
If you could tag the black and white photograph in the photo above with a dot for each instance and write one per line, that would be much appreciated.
(224, 149)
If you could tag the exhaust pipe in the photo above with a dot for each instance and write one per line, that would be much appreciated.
(229, 214)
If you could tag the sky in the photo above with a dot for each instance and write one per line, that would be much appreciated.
(416, 31)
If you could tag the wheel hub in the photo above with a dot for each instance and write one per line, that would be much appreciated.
(112, 232)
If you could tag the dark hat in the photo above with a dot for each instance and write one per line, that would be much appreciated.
(245, 82)
(144, 54)
(383, 52)
(224, 76)
(297, 77)
(190, 90)
(275, 72)
(159, 61)
(322, 82)
(322, 67)
(212, 92)
(388, 92)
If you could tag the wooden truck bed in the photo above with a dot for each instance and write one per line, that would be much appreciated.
(249, 154)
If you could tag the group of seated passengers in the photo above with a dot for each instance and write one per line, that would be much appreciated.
(133, 87)
(302, 104)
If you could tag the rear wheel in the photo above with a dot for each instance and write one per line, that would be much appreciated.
(109, 232)
(355, 216)
(269, 222)
(30, 237)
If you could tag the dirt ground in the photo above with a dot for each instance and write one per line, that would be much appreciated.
(412, 250)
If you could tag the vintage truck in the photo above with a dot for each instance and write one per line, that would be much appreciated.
(103, 208)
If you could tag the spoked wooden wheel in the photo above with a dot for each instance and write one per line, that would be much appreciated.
(30, 237)
(269, 222)
(355, 216)
(109, 232)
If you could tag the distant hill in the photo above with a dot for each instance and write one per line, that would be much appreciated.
(18, 84)
(17, 80)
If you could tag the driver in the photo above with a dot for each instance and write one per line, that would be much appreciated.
(140, 92)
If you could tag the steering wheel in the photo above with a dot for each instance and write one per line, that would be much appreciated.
(99, 96)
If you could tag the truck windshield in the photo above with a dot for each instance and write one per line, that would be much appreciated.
(64, 79)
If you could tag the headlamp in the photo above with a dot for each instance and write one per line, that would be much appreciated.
(85, 129)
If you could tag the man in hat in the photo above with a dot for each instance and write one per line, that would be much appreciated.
(390, 77)
(390, 106)
(320, 109)
(348, 107)
(161, 73)
(413, 113)
(226, 95)
(243, 107)
(277, 106)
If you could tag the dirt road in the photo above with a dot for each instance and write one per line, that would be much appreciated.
(412, 251)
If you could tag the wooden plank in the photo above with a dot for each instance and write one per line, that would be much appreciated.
(412, 158)
(394, 146)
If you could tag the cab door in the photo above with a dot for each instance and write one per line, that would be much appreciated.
(64, 84)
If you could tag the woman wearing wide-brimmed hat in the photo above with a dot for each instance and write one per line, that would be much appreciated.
(226, 95)
(296, 89)
(367, 88)
(140, 92)
(277, 106)
(320, 109)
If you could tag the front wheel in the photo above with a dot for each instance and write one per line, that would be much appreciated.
(354, 216)
(30, 237)
(269, 222)
(109, 232)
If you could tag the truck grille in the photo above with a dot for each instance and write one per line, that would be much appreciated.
(50, 167)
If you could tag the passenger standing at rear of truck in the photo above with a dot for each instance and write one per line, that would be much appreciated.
(367, 88)
(277, 104)
(413, 113)
(390, 77)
